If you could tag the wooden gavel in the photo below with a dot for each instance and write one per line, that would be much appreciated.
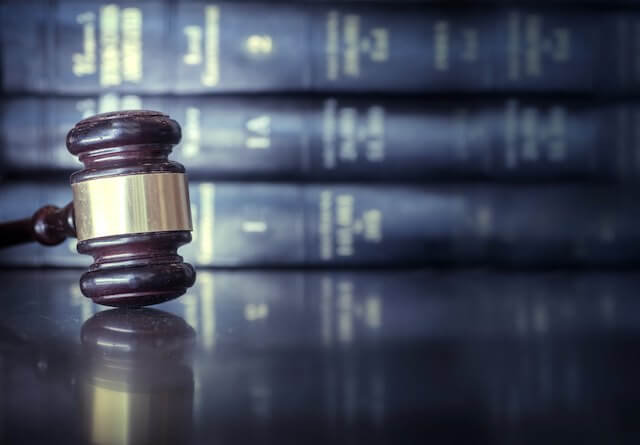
(130, 210)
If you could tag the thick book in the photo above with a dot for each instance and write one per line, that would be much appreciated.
(345, 138)
(331, 307)
(254, 224)
(76, 47)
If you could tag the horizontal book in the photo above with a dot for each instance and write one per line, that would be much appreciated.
(346, 138)
(254, 224)
(338, 307)
(75, 47)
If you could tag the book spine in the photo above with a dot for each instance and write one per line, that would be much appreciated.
(343, 138)
(239, 225)
(195, 47)
(329, 306)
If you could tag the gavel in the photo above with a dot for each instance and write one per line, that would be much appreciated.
(130, 210)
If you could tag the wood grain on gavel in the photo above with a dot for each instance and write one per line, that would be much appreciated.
(130, 210)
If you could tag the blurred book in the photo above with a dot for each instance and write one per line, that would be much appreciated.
(351, 138)
(333, 307)
(267, 224)
(159, 46)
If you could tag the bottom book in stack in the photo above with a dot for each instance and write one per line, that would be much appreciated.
(260, 224)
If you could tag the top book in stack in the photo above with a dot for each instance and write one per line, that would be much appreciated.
(73, 47)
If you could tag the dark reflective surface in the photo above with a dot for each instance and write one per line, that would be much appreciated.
(326, 357)
(137, 382)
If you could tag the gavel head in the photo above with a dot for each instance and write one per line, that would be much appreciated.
(131, 207)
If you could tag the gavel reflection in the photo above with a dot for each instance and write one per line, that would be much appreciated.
(137, 383)
(130, 210)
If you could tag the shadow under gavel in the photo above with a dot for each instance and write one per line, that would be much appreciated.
(130, 210)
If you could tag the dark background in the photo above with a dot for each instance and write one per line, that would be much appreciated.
(497, 303)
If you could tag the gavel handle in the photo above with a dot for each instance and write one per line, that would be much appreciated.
(49, 225)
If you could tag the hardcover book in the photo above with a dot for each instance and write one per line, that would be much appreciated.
(68, 46)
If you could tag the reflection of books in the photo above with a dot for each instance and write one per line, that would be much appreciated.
(177, 47)
(347, 139)
(366, 347)
(257, 224)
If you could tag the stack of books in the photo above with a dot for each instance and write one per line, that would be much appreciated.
(358, 134)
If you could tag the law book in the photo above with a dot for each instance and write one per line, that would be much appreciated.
(75, 47)
(345, 138)
(339, 307)
(268, 224)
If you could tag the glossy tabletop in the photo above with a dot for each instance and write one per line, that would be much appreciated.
(475, 356)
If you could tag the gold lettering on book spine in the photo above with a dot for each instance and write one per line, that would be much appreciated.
(211, 75)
